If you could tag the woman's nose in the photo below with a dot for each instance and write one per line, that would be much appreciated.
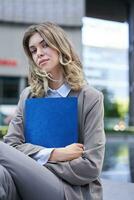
(40, 52)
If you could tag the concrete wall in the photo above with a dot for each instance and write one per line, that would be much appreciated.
(12, 49)
(16, 15)
(63, 12)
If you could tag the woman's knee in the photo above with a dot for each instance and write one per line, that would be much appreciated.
(2, 147)
(7, 187)
(4, 176)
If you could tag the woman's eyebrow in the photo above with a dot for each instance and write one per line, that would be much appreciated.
(32, 46)
(43, 41)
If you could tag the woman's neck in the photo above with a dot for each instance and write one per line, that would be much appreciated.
(56, 82)
(57, 78)
(55, 85)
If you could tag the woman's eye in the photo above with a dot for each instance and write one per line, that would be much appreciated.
(44, 44)
(33, 51)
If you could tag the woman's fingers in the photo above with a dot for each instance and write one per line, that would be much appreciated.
(70, 152)
(76, 144)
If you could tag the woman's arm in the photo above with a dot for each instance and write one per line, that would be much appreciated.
(68, 153)
(15, 138)
(15, 135)
(86, 168)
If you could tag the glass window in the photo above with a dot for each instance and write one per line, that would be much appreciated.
(9, 90)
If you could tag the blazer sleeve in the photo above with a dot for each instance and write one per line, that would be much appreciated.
(87, 168)
(15, 135)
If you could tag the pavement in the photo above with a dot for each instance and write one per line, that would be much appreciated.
(117, 190)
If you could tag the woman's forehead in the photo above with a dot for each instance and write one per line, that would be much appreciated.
(35, 39)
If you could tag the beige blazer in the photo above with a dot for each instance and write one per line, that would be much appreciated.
(80, 176)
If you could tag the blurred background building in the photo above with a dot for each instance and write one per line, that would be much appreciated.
(103, 34)
(15, 16)
(105, 55)
(105, 60)
(102, 45)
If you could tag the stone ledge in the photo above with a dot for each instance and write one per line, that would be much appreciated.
(117, 190)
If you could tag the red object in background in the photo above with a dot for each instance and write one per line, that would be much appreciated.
(8, 62)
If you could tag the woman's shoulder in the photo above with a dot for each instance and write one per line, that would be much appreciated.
(90, 92)
(88, 97)
(25, 92)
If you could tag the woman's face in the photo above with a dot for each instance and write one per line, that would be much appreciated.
(46, 58)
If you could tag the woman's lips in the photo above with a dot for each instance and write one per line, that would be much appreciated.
(43, 61)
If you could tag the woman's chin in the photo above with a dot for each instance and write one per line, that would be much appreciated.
(44, 70)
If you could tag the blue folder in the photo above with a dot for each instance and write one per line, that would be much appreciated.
(51, 122)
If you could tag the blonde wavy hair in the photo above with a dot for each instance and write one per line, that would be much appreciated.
(55, 38)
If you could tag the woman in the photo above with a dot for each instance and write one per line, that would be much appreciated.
(72, 172)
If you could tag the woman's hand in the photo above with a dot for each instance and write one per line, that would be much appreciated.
(67, 153)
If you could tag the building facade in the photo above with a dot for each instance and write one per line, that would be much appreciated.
(15, 17)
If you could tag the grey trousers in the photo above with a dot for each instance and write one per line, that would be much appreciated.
(20, 174)
(7, 186)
